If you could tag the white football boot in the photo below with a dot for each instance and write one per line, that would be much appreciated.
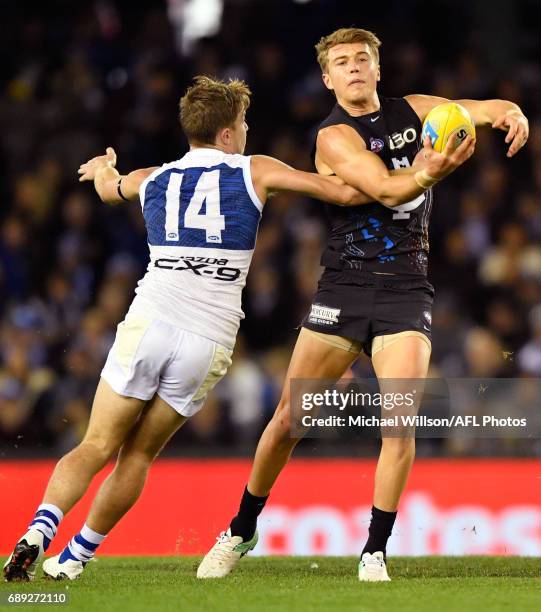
(224, 555)
(68, 570)
(372, 568)
(23, 561)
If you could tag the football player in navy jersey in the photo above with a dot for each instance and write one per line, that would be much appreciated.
(373, 295)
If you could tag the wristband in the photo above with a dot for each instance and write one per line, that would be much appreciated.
(120, 190)
(424, 180)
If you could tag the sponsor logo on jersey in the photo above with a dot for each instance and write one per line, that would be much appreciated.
(401, 139)
(376, 145)
(208, 266)
(323, 315)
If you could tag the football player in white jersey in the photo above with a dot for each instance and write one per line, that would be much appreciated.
(201, 213)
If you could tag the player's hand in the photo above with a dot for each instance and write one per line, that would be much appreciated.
(516, 125)
(88, 170)
(420, 160)
(439, 165)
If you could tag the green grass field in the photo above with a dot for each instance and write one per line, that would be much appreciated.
(287, 583)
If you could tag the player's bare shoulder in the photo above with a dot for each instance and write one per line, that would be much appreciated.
(422, 104)
(261, 169)
(259, 164)
(334, 142)
(336, 136)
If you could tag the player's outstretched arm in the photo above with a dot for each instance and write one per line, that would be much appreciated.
(500, 114)
(110, 185)
(271, 175)
(342, 151)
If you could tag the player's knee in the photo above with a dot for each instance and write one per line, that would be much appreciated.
(400, 448)
(137, 458)
(281, 424)
(281, 419)
(100, 449)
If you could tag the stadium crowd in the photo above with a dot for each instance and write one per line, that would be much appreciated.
(101, 75)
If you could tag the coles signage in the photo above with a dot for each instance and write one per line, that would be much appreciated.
(318, 507)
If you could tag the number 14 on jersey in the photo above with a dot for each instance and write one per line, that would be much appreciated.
(206, 192)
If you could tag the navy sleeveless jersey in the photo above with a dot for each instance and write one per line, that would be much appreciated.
(374, 237)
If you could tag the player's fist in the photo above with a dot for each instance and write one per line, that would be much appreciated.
(424, 155)
(88, 169)
(439, 165)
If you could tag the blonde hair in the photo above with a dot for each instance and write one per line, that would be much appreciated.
(345, 36)
(210, 105)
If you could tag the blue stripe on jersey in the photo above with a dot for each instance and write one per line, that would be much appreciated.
(241, 215)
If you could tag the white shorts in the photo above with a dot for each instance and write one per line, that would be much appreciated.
(151, 356)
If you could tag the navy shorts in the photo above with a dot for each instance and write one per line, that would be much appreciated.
(362, 307)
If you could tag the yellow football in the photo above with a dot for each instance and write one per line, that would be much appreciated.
(449, 121)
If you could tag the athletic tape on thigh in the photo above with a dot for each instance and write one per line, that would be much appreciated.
(128, 337)
(221, 361)
(352, 346)
(381, 342)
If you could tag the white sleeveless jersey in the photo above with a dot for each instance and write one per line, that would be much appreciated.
(201, 214)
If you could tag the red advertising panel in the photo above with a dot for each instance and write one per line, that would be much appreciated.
(451, 507)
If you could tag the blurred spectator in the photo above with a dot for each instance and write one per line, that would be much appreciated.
(484, 355)
(529, 357)
(14, 258)
(244, 390)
